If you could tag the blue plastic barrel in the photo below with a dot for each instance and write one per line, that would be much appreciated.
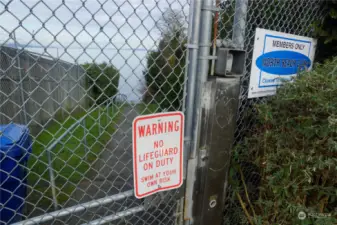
(15, 148)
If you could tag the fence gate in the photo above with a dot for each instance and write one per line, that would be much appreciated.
(76, 73)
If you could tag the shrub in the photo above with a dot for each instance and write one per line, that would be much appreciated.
(165, 71)
(294, 145)
(102, 81)
(325, 30)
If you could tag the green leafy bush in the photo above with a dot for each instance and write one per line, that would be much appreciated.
(102, 81)
(325, 30)
(165, 70)
(294, 145)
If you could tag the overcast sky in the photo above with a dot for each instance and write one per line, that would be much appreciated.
(116, 31)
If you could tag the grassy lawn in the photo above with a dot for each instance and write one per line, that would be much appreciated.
(72, 157)
(144, 109)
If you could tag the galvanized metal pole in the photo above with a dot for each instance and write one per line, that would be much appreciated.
(193, 41)
(99, 121)
(76, 208)
(112, 108)
(239, 26)
(203, 66)
(52, 178)
(50, 162)
(85, 143)
(204, 44)
(215, 36)
(190, 87)
(116, 216)
(188, 50)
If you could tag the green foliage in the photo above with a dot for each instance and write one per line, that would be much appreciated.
(102, 81)
(326, 31)
(144, 109)
(287, 16)
(295, 146)
(165, 71)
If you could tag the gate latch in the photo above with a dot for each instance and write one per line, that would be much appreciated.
(230, 62)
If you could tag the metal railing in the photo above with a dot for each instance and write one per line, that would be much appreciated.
(107, 103)
(117, 216)
(78, 208)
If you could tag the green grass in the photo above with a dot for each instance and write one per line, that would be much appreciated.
(72, 158)
(147, 108)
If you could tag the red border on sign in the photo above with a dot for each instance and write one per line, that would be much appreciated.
(135, 152)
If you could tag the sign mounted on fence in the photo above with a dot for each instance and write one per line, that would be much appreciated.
(278, 57)
(157, 152)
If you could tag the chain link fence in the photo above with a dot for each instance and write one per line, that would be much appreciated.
(295, 17)
(76, 74)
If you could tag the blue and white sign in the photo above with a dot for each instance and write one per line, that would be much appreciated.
(278, 57)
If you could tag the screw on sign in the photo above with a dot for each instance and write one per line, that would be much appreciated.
(157, 152)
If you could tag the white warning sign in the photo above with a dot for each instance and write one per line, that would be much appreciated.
(157, 152)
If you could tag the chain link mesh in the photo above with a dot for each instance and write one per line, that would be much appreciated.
(77, 73)
(295, 17)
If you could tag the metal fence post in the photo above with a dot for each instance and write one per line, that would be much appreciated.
(199, 63)
(107, 112)
(112, 108)
(192, 45)
(99, 121)
(111, 105)
(52, 178)
(85, 139)
(203, 65)
(239, 26)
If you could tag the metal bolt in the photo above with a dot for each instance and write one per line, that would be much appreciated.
(212, 203)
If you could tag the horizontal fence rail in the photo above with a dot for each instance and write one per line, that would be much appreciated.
(75, 209)
(59, 139)
(116, 216)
